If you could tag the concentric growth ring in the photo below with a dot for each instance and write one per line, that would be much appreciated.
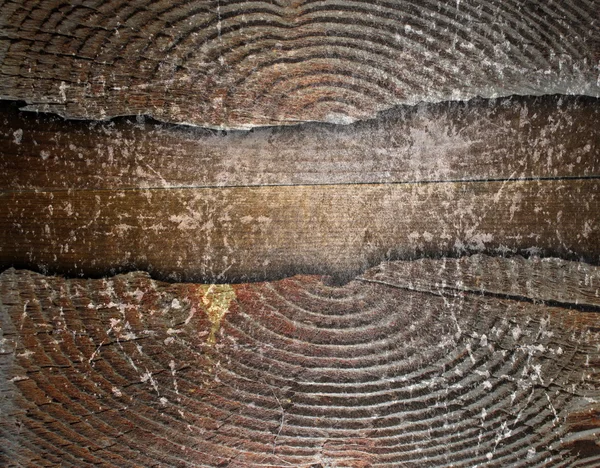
(239, 64)
(395, 368)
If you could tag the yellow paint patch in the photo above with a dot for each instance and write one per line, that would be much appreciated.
(216, 299)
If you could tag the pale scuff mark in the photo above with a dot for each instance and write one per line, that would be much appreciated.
(18, 136)
(216, 299)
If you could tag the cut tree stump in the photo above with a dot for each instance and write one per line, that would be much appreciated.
(478, 361)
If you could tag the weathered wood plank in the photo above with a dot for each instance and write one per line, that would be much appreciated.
(249, 233)
(128, 371)
(236, 64)
(549, 137)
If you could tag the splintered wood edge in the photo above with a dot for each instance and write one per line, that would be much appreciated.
(230, 64)
(549, 280)
(495, 360)
(515, 138)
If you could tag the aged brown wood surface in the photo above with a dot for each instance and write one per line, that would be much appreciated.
(473, 362)
(449, 360)
(503, 177)
(234, 64)
(260, 232)
(512, 138)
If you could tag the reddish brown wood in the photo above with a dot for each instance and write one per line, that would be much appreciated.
(433, 362)
(475, 361)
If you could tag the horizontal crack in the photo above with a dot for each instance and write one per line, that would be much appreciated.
(217, 187)
(513, 297)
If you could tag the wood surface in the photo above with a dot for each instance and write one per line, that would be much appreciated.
(239, 64)
(424, 132)
(250, 233)
(512, 138)
(510, 176)
(472, 362)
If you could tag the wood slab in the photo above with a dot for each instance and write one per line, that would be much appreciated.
(170, 149)
(507, 176)
(514, 138)
(472, 362)
(251, 233)
(234, 64)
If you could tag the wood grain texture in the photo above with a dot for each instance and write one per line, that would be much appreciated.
(234, 64)
(392, 369)
(507, 176)
(250, 233)
(513, 138)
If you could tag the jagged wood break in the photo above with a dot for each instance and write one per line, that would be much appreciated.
(548, 137)
(472, 362)
(235, 64)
